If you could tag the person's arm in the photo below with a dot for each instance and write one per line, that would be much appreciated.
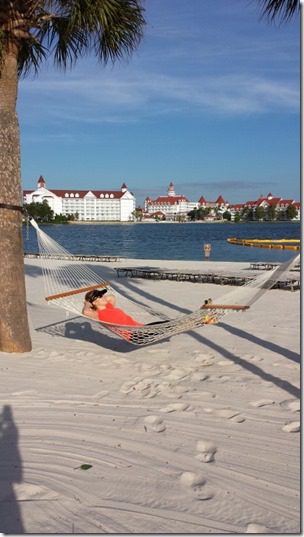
(111, 299)
(89, 312)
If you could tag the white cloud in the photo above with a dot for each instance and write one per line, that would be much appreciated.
(133, 97)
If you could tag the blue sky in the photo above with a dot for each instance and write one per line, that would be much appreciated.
(210, 101)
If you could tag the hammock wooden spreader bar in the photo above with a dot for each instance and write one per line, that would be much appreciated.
(77, 291)
(234, 307)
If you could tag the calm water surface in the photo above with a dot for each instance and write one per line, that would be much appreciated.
(169, 241)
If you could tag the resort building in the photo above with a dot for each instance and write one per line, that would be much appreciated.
(88, 205)
(170, 207)
(174, 207)
(279, 205)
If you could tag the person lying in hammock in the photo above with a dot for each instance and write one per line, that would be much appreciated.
(99, 307)
(103, 308)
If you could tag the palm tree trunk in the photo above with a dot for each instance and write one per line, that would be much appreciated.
(14, 329)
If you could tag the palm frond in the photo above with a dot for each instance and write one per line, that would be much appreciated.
(67, 29)
(119, 29)
(282, 10)
(31, 54)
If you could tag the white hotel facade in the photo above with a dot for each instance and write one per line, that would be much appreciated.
(98, 205)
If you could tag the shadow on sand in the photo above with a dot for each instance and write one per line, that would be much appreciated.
(10, 473)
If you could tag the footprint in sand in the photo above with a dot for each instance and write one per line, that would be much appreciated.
(257, 528)
(254, 358)
(204, 361)
(199, 376)
(30, 492)
(154, 424)
(128, 386)
(196, 484)
(261, 402)
(292, 427)
(226, 413)
(207, 395)
(206, 451)
(225, 363)
(291, 404)
(172, 391)
(139, 387)
(174, 407)
(294, 406)
(178, 374)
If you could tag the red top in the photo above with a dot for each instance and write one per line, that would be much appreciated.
(116, 316)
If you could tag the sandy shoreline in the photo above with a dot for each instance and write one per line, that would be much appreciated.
(196, 434)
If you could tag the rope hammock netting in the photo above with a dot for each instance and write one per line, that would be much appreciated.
(67, 283)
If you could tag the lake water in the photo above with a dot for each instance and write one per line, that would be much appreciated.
(169, 241)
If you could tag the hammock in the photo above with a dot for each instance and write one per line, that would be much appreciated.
(67, 283)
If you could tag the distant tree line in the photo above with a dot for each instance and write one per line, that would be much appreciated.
(43, 214)
(247, 214)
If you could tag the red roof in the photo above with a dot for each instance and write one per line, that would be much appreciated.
(237, 206)
(158, 213)
(272, 201)
(220, 200)
(286, 202)
(171, 200)
(116, 194)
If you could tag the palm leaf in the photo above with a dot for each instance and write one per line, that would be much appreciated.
(68, 29)
(281, 9)
(31, 54)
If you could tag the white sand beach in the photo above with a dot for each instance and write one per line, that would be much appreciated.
(198, 433)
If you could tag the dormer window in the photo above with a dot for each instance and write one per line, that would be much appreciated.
(102, 195)
(76, 195)
(111, 195)
(72, 195)
(66, 195)
(107, 195)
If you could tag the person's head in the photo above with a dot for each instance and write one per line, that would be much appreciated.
(93, 296)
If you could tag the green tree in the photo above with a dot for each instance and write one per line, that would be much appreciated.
(248, 214)
(227, 215)
(191, 214)
(260, 213)
(30, 32)
(271, 212)
(291, 212)
(41, 212)
(138, 214)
